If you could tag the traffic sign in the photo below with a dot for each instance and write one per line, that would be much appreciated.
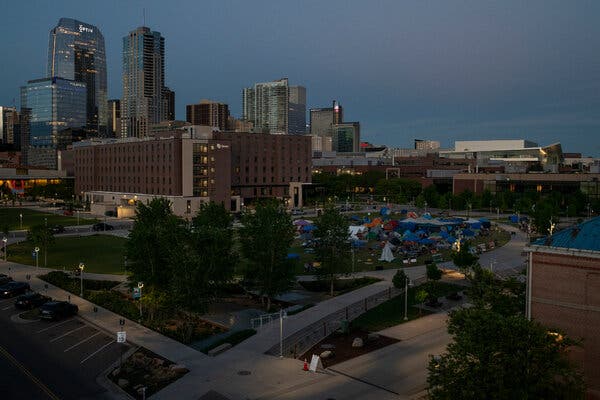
(121, 337)
(137, 293)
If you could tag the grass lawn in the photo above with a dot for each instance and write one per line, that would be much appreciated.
(391, 312)
(100, 253)
(10, 216)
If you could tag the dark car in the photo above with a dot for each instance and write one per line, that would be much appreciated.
(54, 310)
(12, 289)
(31, 300)
(57, 229)
(101, 226)
(4, 279)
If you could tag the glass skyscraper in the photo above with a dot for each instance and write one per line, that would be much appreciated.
(57, 113)
(144, 89)
(76, 52)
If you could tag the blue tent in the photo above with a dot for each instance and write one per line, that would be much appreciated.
(309, 228)
(444, 234)
(293, 256)
(485, 222)
(513, 218)
(475, 225)
(451, 239)
(427, 216)
(355, 218)
(427, 241)
(420, 232)
(384, 211)
(358, 243)
(468, 232)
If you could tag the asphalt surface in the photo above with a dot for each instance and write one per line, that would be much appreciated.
(53, 359)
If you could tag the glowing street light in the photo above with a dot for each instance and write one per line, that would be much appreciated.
(37, 253)
(140, 286)
(81, 268)
(4, 240)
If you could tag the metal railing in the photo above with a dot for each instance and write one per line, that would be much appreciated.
(264, 319)
(301, 341)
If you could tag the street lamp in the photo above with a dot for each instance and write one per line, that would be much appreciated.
(4, 240)
(81, 267)
(37, 252)
(406, 298)
(140, 286)
(21, 220)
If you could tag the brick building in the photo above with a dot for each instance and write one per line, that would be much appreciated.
(563, 292)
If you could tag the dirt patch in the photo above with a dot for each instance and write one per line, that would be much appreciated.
(340, 345)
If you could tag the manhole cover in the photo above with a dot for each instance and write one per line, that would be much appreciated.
(244, 372)
(327, 346)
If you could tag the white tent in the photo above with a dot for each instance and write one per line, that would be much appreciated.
(386, 253)
(354, 230)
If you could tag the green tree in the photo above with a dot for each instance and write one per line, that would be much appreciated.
(544, 214)
(332, 248)
(420, 297)
(506, 297)
(155, 301)
(155, 237)
(400, 279)
(499, 357)
(265, 238)
(464, 258)
(434, 274)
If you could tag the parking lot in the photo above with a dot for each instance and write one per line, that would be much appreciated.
(65, 356)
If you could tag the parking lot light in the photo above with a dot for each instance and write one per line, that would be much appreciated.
(37, 253)
(81, 268)
(4, 240)
(140, 286)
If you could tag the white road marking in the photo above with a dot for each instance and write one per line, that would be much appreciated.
(97, 351)
(83, 341)
(68, 333)
(52, 326)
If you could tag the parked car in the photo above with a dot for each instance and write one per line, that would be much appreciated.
(54, 310)
(12, 289)
(31, 300)
(102, 226)
(297, 211)
(4, 279)
(57, 229)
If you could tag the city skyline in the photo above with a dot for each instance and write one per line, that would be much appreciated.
(404, 70)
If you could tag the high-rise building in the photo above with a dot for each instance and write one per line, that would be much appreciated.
(275, 107)
(114, 118)
(9, 121)
(76, 52)
(169, 104)
(57, 114)
(297, 110)
(321, 125)
(208, 113)
(346, 137)
(143, 82)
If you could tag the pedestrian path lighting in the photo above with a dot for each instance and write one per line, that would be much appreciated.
(407, 283)
(4, 240)
(37, 253)
(140, 286)
(21, 221)
(81, 267)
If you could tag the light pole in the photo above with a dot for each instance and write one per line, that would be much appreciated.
(352, 250)
(81, 267)
(77, 220)
(4, 240)
(281, 333)
(140, 286)
(21, 221)
(37, 253)
(406, 298)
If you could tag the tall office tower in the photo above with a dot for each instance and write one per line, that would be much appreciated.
(346, 137)
(209, 113)
(9, 121)
(58, 110)
(321, 125)
(297, 110)
(76, 52)
(169, 104)
(267, 106)
(143, 82)
(114, 118)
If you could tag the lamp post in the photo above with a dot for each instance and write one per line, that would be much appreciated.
(81, 267)
(4, 240)
(37, 253)
(406, 298)
(21, 221)
(352, 250)
(140, 286)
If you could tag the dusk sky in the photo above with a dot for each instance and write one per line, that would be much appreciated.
(442, 70)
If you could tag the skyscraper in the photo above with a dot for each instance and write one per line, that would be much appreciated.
(9, 120)
(76, 52)
(322, 121)
(143, 81)
(275, 107)
(114, 118)
(209, 113)
(57, 113)
(346, 137)
(169, 104)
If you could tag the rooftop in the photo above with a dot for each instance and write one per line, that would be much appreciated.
(584, 236)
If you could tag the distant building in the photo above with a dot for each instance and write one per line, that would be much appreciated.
(563, 292)
(208, 113)
(346, 137)
(57, 113)
(76, 52)
(321, 125)
(270, 105)
(9, 123)
(169, 104)
(426, 144)
(143, 101)
(114, 118)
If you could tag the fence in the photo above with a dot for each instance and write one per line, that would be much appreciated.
(301, 341)
(264, 319)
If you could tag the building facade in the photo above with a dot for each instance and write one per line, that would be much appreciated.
(563, 292)
(169, 104)
(297, 110)
(57, 114)
(9, 125)
(76, 52)
(421, 144)
(114, 118)
(346, 137)
(208, 113)
(143, 100)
